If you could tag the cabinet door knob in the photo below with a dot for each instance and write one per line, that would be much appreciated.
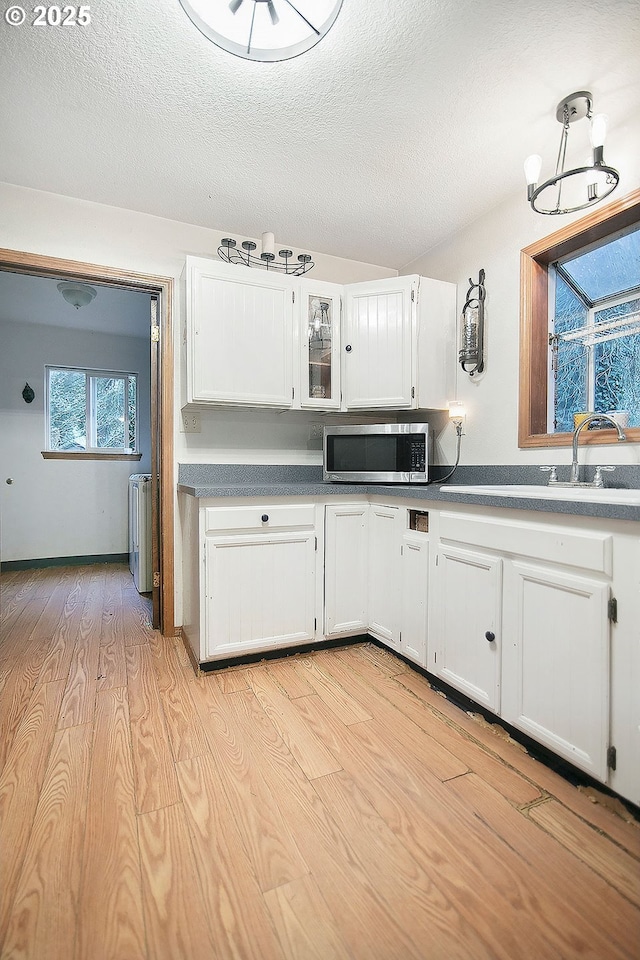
(490, 636)
(265, 517)
(348, 348)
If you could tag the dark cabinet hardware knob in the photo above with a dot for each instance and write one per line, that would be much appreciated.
(490, 636)
(265, 517)
(348, 348)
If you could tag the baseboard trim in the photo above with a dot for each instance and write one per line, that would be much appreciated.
(37, 563)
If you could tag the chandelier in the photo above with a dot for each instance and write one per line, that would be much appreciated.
(266, 260)
(580, 187)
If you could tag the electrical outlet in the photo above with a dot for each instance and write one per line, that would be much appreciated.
(315, 431)
(191, 422)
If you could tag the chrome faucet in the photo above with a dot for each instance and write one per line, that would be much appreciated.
(574, 476)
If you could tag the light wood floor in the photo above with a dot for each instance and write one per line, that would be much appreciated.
(326, 806)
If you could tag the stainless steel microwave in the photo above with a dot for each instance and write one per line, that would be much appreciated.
(377, 453)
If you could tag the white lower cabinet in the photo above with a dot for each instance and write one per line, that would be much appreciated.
(345, 569)
(414, 596)
(385, 537)
(259, 592)
(555, 662)
(513, 609)
(465, 651)
(526, 636)
(376, 576)
(250, 576)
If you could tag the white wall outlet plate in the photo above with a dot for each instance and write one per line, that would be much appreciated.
(191, 423)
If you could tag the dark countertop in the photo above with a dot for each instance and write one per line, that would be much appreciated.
(429, 493)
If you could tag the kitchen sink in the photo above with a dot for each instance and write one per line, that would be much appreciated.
(544, 492)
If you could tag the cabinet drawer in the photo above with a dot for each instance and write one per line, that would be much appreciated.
(251, 518)
(589, 549)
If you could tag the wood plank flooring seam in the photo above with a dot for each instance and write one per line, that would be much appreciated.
(165, 806)
(600, 833)
(456, 776)
(466, 735)
(538, 802)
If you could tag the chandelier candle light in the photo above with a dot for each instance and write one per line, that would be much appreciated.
(585, 185)
(228, 250)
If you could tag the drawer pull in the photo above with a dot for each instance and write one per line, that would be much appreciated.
(490, 636)
(265, 517)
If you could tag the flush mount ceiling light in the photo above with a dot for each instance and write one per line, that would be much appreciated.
(583, 186)
(77, 294)
(266, 30)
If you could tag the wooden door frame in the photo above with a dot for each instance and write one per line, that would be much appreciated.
(17, 261)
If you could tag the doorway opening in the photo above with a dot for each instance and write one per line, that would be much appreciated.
(155, 410)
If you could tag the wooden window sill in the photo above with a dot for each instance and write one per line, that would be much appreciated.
(587, 437)
(82, 455)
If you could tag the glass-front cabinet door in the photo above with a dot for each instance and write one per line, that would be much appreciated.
(320, 345)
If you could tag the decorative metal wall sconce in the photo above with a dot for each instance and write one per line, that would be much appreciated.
(28, 394)
(471, 354)
(228, 250)
(587, 184)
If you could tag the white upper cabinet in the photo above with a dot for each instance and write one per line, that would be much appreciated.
(266, 339)
(239, 335)
(398, 344)
(318, 310)
(377, 344)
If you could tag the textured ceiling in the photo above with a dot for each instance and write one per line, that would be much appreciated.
(409, 120)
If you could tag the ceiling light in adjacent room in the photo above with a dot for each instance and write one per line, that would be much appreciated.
(77, 294)
(265, 30)
(583, 186)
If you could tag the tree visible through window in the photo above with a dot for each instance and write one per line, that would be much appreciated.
(594, 332)
(91, 411)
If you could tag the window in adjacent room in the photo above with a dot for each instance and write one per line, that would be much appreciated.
(91, 412)
(580, 326)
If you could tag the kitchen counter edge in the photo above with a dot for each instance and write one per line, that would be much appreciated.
(430, 492)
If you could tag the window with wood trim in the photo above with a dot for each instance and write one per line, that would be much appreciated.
(91, 412)
(538, 266)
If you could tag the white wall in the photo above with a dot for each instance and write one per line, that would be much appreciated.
(494, 243)
(60, 508)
